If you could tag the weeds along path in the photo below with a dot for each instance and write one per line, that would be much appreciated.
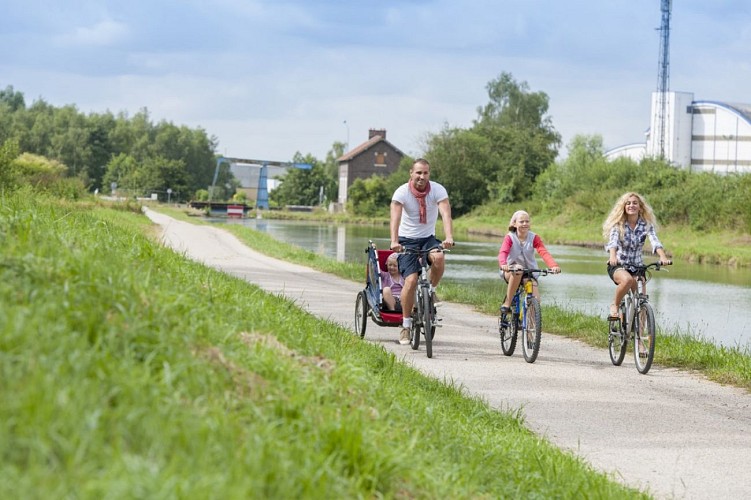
(669, 432)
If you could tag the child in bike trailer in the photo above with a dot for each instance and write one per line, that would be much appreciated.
(630, 223)
(518, 251)
(392, 283)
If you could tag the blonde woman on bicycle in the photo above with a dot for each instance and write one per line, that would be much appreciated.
(630, 223)
(518, 250)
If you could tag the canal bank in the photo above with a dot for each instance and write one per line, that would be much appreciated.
(672, 432)
(583, 286)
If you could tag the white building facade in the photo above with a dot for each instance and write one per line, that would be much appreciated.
(703, 136)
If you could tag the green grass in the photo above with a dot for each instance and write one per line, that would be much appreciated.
(127, 371)
(727, 365)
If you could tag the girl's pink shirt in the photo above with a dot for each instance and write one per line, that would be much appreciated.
(537, 244)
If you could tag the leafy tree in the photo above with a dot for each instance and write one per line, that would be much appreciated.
(70, 142)
(122, 171)
(223, 183)
(86, 144)
(13, 99)
(331, 165)
(303, 186)
(372, 197)
(202, 195)
(100, 128)
(369, 197)
(400, 176)
(511, 142)
(465, 163)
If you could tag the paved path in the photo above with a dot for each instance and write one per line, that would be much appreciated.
(671, 432)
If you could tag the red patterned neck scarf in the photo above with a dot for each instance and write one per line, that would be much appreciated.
(420, 195)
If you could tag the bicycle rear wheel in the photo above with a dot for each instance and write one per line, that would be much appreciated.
(507, 328)
(532, 334)
(427, 320)
(644, 339)
(618, 338)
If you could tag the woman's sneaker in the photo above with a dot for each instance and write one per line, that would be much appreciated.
(404, 336)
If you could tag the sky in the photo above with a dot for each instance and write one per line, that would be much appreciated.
(270, 78)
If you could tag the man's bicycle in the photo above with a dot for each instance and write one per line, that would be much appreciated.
(525, 315)
(424, 319)
(636, 321)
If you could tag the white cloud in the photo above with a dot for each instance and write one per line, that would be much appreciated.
(102, 34)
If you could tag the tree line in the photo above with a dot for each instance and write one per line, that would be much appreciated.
(506, 157)
(496, 160)
(99, 149)
(511, 142)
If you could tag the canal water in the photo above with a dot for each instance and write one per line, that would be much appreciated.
(707, 301)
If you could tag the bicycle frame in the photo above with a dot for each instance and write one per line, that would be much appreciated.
(520, 302)
(423, 313)
(634, 301)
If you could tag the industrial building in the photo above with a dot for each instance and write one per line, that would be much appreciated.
(702, 136)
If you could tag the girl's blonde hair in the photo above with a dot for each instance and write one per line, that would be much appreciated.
(512, 222)
(617, 217)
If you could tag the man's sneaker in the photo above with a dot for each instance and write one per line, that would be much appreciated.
(404, 336)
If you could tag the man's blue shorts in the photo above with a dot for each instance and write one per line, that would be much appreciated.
(408, 262)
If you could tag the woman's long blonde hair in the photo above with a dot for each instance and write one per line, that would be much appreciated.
(617, 217)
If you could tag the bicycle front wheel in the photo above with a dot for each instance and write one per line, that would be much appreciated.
(618, 338)
(532, 332)
(416, 318)
(644, 339)
(427, 320)
(507, 328)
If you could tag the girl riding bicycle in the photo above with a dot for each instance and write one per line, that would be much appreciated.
(630, 223)
(518, 250)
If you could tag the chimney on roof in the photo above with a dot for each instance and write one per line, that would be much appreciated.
(374, 132)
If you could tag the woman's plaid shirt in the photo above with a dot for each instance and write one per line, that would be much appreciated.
(629, 250)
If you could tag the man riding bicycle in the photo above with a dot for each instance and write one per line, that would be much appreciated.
(414, 212)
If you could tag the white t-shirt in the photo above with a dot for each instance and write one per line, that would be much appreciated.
(410, 226)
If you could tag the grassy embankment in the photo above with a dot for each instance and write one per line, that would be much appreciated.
(129, 371)
(729, 365)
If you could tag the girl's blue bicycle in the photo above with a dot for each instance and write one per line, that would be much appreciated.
(525, 315)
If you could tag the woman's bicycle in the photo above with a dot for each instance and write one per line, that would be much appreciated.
(424, 313)
(636, 321)
(525, 315)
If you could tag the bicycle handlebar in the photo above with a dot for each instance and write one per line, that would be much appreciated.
(654, 265)
(417, 251)
(524, 270)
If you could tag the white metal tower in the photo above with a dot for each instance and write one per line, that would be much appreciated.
(663, 75)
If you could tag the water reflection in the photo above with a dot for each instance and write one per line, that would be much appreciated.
(709, 301)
